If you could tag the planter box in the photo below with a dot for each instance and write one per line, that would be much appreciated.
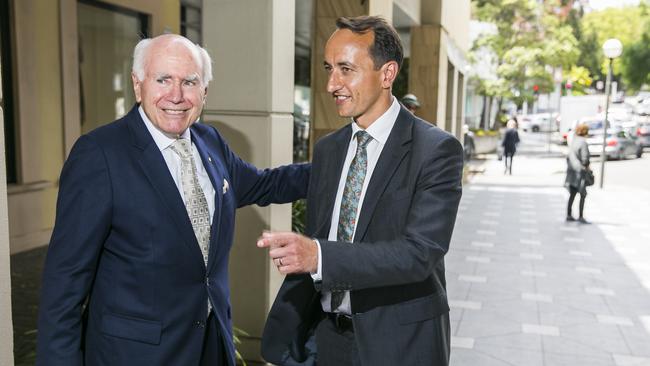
(486, 144)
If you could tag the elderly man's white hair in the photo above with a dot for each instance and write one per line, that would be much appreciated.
(200, 55)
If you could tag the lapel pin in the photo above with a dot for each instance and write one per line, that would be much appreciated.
(225, 186)
(210, 158)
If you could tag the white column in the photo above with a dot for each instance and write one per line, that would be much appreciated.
(250, 101)
(382, 8)
(6, 329)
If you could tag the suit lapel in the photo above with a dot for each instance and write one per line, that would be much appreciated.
(154, 167)
(210, 164)
(397, 146)
(334, 160)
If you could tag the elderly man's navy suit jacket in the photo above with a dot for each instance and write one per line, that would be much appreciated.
(124, 280)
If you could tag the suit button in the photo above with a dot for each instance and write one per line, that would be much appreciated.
(199, 324)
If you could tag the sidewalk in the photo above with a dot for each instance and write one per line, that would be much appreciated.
(526, 288)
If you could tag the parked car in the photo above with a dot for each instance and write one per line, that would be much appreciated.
(594, 123)
(641, 96)
(643, 133)
(643, 108)
(540, 122)
(619, 144)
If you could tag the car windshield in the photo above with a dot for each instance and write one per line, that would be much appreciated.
(594, 125)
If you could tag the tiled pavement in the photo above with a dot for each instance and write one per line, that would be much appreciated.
(526, 288)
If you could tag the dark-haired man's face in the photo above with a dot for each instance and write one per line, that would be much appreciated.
(359, 90)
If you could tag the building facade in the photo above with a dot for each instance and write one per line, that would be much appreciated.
(66, 70)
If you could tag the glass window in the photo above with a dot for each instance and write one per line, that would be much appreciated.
(6, 100)
(107, 36)
(302, 79)
(191, 24)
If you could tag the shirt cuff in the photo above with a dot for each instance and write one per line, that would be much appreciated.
(319, 273)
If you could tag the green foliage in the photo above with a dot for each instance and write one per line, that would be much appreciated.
(636, 61)
(626, 24)
(530, 42)
(401, 84)
(299, 216)
(580, 79)
(236, 333)
(479, 132)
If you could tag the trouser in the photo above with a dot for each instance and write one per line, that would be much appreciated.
(508, 164)
(214, 351)
(336, 344)
(572, 195)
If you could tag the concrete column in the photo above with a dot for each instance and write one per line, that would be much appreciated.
(424, 71)
(250, 101)
(324, 118)
(382, 8)
(6, 328)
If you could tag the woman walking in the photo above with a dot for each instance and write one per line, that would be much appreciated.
(577, 170)
(510, 141)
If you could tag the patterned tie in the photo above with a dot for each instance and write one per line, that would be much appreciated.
(350, 200)
(195, 202)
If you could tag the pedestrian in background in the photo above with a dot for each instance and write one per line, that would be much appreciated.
(509, 143)
(411, 102)
(577, 170)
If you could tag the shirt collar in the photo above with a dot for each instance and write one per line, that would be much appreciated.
(162, 140)
(380, 129)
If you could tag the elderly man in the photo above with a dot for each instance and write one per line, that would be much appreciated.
(381, 205)
(137, 267)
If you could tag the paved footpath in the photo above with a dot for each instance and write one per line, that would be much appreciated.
(526, 288)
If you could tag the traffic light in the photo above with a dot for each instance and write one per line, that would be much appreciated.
(536, 89)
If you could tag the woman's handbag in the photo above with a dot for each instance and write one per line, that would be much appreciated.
(589, 177)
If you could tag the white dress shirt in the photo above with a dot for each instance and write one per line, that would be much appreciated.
(174, 161)
(379, 130)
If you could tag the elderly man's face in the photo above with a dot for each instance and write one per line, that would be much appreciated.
(171, 93)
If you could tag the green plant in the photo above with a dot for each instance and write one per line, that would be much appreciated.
(236, 333)
(298, 216)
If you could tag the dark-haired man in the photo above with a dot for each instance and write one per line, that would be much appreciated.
(382, 202)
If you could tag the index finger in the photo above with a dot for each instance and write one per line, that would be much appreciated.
(275, 239)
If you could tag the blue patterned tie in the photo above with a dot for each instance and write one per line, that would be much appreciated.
(350, 200)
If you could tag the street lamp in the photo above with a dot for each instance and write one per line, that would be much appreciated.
(612, 48)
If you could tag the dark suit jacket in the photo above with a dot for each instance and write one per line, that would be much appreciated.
(395, 269)
(123, 244)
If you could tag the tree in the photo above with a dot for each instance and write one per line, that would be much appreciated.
(590, 51)
(626, 24)
(528, 44)
(579, 79)
(635, 62)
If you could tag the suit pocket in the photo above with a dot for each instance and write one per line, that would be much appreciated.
(422, 309)
(141, 330)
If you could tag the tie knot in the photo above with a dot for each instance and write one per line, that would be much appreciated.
(182, 147)
(363, 138)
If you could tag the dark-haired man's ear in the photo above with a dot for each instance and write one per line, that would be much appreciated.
(389, 73)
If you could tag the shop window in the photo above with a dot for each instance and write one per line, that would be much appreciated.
(6, 92)
(107, 36)
(191, 24)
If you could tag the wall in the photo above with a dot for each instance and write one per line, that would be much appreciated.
(47, 104)
(250, 101)
(6, 330)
